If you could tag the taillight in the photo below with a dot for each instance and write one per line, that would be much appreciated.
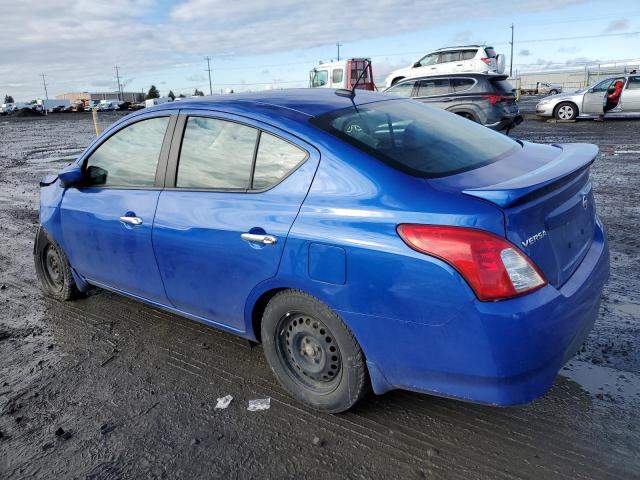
(493, 99)
(494, 268)
(486, 60)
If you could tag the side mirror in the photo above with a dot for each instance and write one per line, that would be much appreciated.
(416, 65)
(71, 176)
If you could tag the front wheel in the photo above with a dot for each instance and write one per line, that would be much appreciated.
(566, 111)
(52, 269)
(312, 352)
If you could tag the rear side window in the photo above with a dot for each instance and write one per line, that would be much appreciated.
(276, 158)
(336, 75)
(437, 86)
(404, 89)
(415, 138)
(634, 83)
(468, 54)
(447, 57)
(216, 154)
(128, 158)
(491, 53)
(461, 84)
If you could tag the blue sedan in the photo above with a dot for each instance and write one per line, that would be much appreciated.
(367, 241)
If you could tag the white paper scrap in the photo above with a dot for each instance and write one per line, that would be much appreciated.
(259, 404)
(224, 402)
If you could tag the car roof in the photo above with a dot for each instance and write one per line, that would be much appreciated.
(461, 46)
(293, 102)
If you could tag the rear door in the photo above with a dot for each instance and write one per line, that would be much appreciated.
(467, 60)
(435, 91)
(107, 223)
(234, 188)
(449, 62)
(630, 100)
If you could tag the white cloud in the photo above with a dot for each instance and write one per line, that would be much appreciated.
(617, 26)
(524, 53)
(77, 42)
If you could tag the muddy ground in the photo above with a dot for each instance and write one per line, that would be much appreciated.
(108, 388)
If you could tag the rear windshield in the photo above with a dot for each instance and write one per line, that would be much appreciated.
(491, 53)
(502, 86)
(418, 139)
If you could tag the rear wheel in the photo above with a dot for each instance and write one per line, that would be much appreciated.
(312, 352)
(566, 111)
(553, 92)
(468, 116)
(52, 269)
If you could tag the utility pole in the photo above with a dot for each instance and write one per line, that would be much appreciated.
(511, 60)
(339, 45)
(44, 82)
(119, 87)
(209, 70)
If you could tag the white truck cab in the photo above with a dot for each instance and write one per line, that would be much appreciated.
(342, 74)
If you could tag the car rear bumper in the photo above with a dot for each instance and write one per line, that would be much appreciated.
(500, 353)
(506, 123)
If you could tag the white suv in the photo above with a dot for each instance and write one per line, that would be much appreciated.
(469, 58)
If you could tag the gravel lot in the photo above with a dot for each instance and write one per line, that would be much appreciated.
(106, 387)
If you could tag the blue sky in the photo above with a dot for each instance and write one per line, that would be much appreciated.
(256, 44)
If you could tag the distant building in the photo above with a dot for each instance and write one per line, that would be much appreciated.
(74, 97)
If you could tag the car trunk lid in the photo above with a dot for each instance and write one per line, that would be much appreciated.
(545, 195)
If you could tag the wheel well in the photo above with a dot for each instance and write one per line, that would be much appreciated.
(258, 310)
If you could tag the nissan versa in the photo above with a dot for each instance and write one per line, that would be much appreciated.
(367, 241)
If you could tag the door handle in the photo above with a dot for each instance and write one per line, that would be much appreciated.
(257, 238)
(131, 220)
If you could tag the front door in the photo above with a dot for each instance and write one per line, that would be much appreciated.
(233, 193)
(107, 223)
(594, 99)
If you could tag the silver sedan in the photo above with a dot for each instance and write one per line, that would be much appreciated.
(593, 101)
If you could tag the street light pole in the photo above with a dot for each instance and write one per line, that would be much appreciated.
(209, 70)
(339, 45)
(44, 82)
(511, 59)
(119, 87)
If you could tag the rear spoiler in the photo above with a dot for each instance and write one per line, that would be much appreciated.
(574, 159)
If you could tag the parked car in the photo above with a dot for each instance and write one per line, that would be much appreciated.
(365, 240)
(470, 58)
(485, 99)
(594, 101)
(343, 74)
(543, 88)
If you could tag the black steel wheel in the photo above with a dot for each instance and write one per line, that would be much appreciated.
(312, 353)
(53, 269)
(307, 348)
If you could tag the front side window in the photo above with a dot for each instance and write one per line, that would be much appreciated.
(438, 86)
(603, 86)
(415, 138)
(633, 83)
(404, 89)
(320, 78)
(336, 76)
(128, 158)
(216, 154)
(276, 158)
(429, 60)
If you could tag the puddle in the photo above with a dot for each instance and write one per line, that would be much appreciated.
(598, 380)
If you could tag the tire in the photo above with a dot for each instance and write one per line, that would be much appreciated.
(396, 80)
(565, 111)
(312, 353)
(52, 269)
(468, 116)
(553, 92)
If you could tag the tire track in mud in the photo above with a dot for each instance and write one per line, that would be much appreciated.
(491, 429)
